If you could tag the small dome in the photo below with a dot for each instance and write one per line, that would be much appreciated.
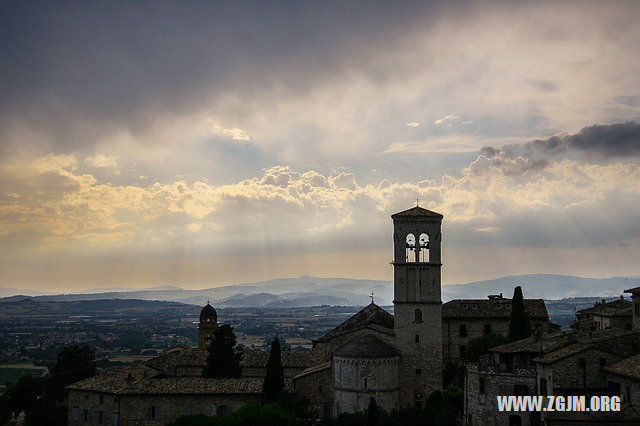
(366, 347)
(208, 313)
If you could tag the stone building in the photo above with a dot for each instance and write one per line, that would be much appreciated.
(560, 363)
(602, 315)
(465, 320)
(635, 298)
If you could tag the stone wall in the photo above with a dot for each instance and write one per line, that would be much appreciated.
(317, 388)
(481, 407)
(359, 379)
(136, 409)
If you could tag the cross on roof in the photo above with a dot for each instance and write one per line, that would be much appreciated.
(417, 202)
(371, 297)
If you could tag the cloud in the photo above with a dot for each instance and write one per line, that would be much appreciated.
(234, 133)
(413, 124)
(102, 161)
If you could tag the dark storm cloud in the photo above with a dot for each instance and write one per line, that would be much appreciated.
(599, 141)
(78, 69)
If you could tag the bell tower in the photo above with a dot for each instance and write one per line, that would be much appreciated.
(417, 302)
(207, 326)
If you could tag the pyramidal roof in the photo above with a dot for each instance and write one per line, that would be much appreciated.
(371, 314)
(416, 211)
(367, 346)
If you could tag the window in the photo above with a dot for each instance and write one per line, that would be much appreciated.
(366, 382)
(116, 419)
(320, 389)
(462, 332)
(188, 410)
(86, 416)
(581, 362)
(487, 329)
(603, 362)
(614, 389)
(101, 417)
(418, 371)
(417, 338)
(463, 349)
(482, 385)
(636, 347)
(222, 410)
(153, 412)
(101, 399)
(417, 315)
(543, 387)
(424, 247)
(75, 414)
(515, 421)
(628, 326)
(410, 249)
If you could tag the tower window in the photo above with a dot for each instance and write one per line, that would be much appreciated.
(418, 371)
(366, 382)
(423, 243)
(417, 315)
(482, 385)
(417, 338)
(410, 248)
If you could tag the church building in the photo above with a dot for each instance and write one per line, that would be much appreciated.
(395, 359)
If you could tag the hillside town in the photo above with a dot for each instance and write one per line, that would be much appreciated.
(484, 348)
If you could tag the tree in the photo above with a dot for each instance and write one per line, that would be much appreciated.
(519, 325)
(274, 381)
(481, 345)
(372, 412)
(223, 360)
(72, 365)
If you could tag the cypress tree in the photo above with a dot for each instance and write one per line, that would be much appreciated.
(519, 324)
(274, 381)
(372, 412)
(223, 360)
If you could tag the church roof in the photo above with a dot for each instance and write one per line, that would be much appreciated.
(416, 212)
(629, 367)
(366, 346)
(371, 314)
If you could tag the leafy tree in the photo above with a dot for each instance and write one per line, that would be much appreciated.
(223, 360)
(519, 324)
(73, 364)
(274, 380)
(481, 345)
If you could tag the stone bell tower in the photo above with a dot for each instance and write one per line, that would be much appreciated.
(417, 302)
(207, 326)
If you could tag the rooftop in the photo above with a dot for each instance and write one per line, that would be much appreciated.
(629, 367)
(491, 308)
(416, 212)
(366, 346)
(371, 314)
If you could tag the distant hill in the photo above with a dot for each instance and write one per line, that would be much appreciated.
(313, 291)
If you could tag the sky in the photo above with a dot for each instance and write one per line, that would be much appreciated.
(200, 144)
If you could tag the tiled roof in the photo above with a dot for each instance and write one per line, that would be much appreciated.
(141, 380)
(491, 308)
(551, 347)
(608, 307)
(416, 212)
(314, 369)
(197, 358)
(629, 367)
(371, 314)
(366, 346)
(635, 290)
(291, 359)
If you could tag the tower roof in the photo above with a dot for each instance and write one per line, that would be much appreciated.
(416, 212)
(208, 312)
